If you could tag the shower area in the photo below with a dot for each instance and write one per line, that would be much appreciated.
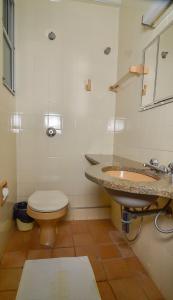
(66, 58)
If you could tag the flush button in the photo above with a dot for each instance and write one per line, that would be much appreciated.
(51, 131)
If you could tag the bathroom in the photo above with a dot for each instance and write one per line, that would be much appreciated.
(86, 89)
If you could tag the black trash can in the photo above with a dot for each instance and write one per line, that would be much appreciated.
(23, 221)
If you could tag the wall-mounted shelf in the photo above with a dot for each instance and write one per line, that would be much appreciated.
(133, 70)
(3, 185)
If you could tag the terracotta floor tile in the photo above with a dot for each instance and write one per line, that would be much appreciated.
(63, 240)
(18, 241)
(100, 226)
(127, 289)
(13, 259)
(116, 237)
(101, 237)
(100, 230)
(83, 239)
(108, 251)
(9, 279)
(90, 251)
(125, 250)
(105, 290)
(79, 227)
(35, 245)
(135, 266)
(149, 287)
(8, 295)
(110, 256)
(98, 269)
(63, 252)
(64, 227)
(116, 268)
(40, 253)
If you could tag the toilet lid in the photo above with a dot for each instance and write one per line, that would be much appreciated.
(47, 201)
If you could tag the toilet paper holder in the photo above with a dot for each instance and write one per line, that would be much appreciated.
(3, 192)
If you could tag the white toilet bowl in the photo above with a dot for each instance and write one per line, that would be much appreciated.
(47, 207)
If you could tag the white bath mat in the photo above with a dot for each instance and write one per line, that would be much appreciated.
(69, 278)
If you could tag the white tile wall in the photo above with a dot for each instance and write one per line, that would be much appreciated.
(146, 134)
(50, 79)
(7, 151)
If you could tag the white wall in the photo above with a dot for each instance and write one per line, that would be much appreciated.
(147, 134)
(7, 150)
(50, 79)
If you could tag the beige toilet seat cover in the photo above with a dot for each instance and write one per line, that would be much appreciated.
(47, 201)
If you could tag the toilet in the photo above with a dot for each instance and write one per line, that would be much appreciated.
(47, 207)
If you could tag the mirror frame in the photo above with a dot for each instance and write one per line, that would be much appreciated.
(158, 102)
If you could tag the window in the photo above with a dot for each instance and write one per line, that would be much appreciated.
(16, 122)
(8, 44)
(54, 121)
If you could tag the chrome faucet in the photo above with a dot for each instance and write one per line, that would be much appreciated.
(154, 165)
(170, 168)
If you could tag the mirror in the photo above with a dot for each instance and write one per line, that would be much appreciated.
(164, 85)
(157, 86)
(150, 59)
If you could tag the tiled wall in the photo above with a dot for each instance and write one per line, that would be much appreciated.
(146, 134)
(50, 79)
(7, 151)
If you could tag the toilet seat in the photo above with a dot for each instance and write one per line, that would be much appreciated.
(47, 201)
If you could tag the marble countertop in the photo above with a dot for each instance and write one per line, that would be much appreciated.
(162, 187)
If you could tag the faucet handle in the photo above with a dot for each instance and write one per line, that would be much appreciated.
(164, 169)
(170, 167)
(154, 162)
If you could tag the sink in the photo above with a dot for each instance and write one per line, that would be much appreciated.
(127, 199)
(132, 176)
(131, 200)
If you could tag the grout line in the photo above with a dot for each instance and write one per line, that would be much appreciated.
(90, 207)
(112, 290)
(7, 268)
(75, 251)
(2, 291)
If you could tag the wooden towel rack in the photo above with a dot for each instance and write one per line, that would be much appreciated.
(133, 70)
